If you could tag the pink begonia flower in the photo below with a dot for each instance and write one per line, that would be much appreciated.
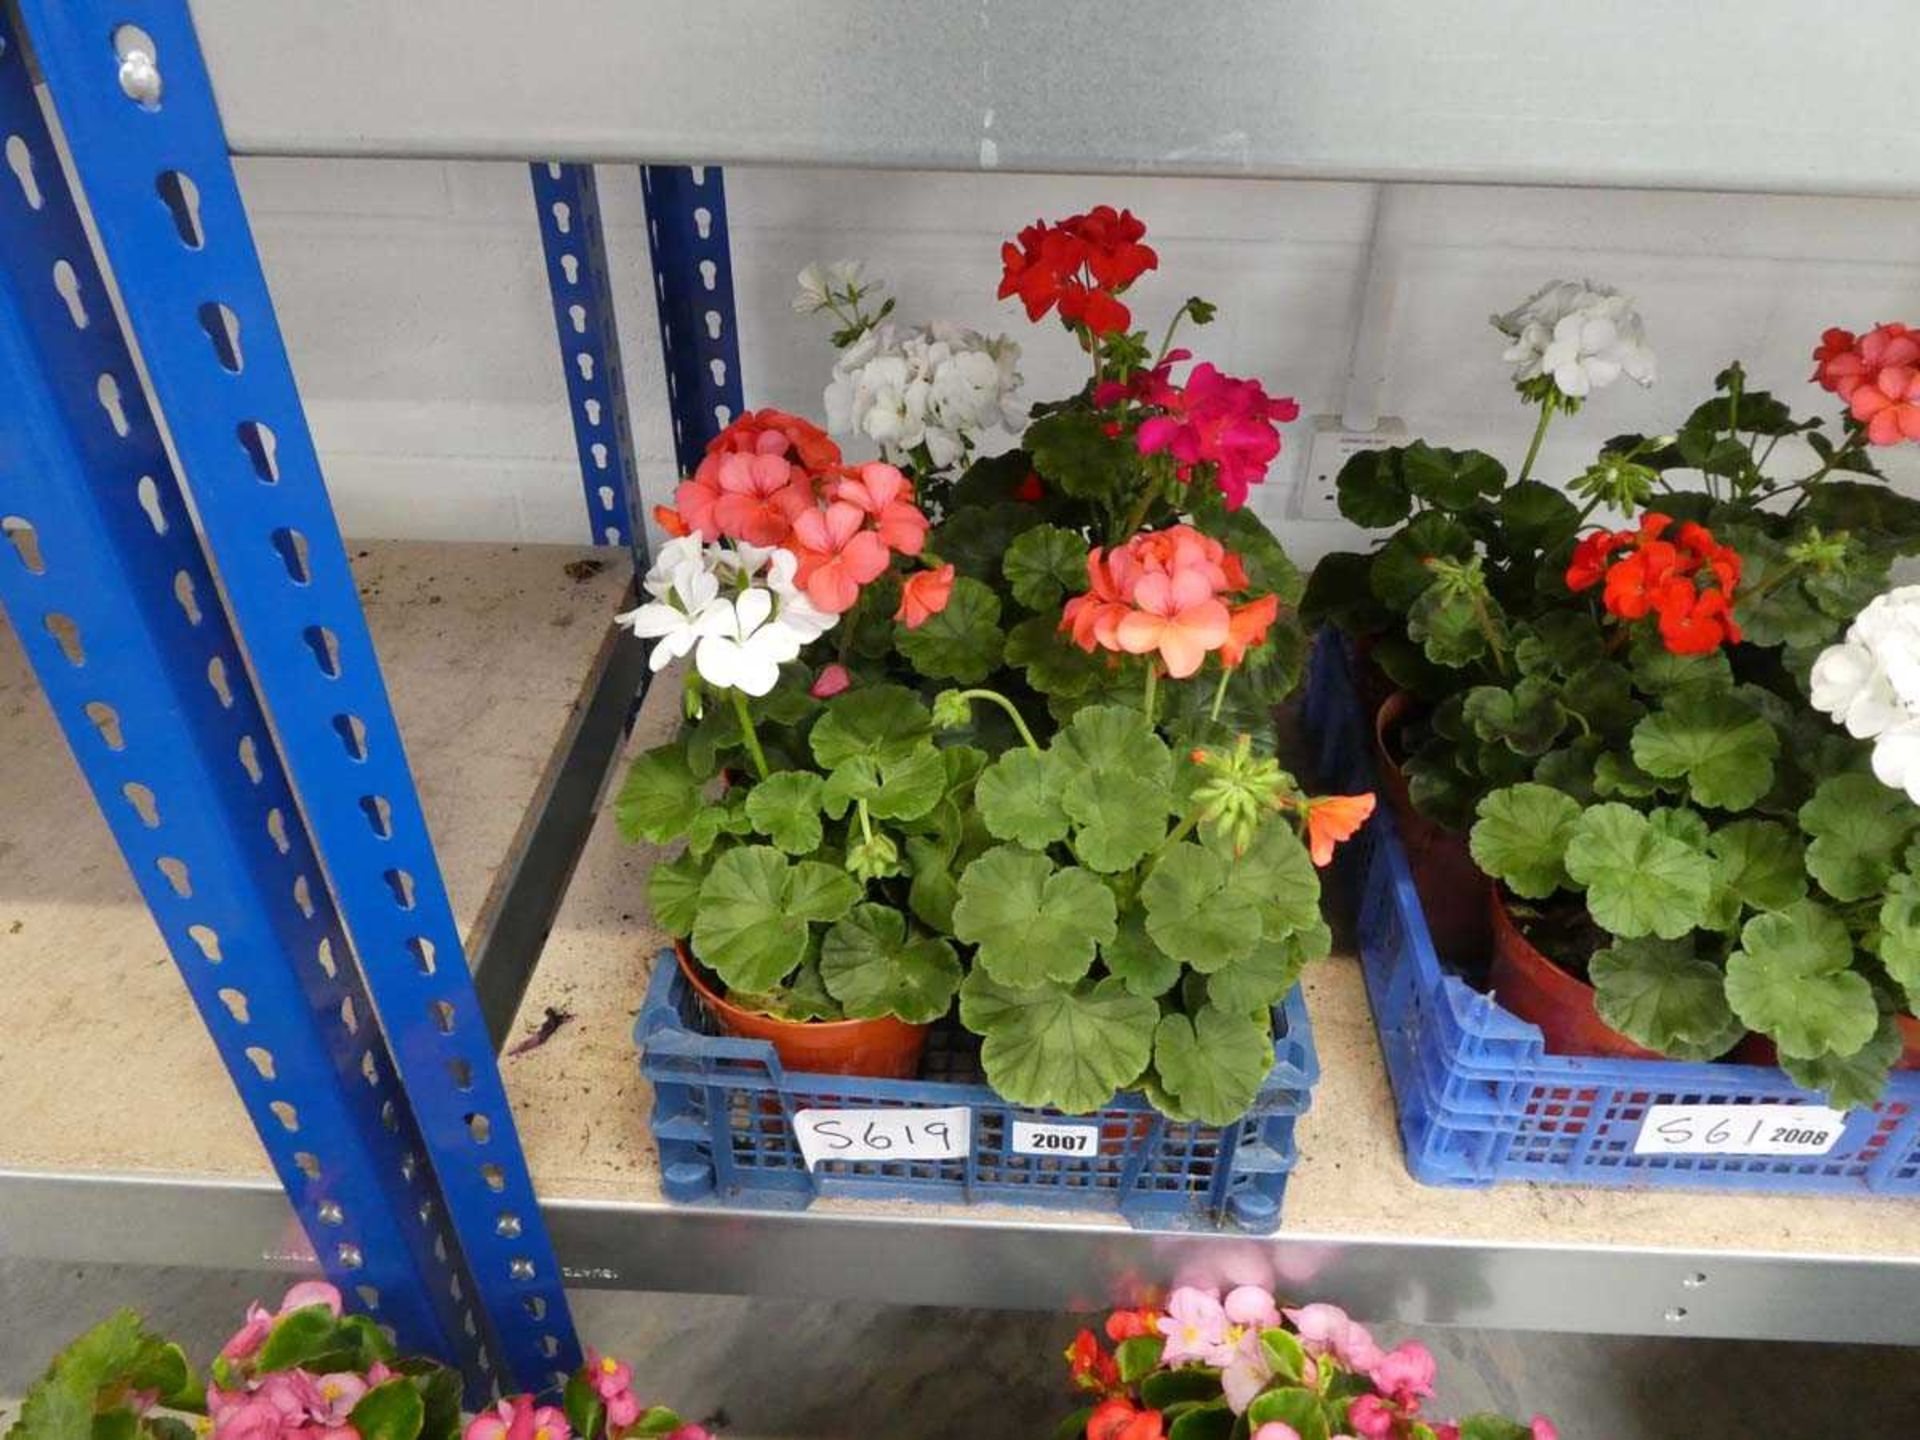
(1371, 1418)
(1276, 1430)
(1327, 1330)
(1252, 1306)
(691, 1432)
(613, 1383)
(1543, 1429)
(288, 1403)
(1405, 1373)
(1246, 1374)
(1217, 420)
(1195, 1326)
(519, 1418)
(831, 680)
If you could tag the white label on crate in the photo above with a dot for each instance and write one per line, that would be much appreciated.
(1077, 1142)
(944, 1134)
(1739, 1130)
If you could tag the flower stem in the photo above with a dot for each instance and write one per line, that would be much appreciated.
(1539, 434)
(1139, 515)
(1013, 714)
(748, 734)
(1219, 694)
(1174, 837)
(1166, 340)
(866, 824)
(1153, 681)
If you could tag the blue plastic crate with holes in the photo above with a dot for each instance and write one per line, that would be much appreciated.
(1479, 1098)
(727, 1117)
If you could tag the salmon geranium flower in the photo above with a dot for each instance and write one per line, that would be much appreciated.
(923, 595)
(838, 555)
(774, 432)
(1164, 593)
(1332, 819)
(886, 496)
(1178, 616)
(739, 496)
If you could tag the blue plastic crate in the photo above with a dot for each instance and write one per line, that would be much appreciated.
(1480, 1099)
(723, 1118)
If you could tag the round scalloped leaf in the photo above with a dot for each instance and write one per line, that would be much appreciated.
(1045, 564)
(911, 785)
(1210, 1065)
(785, 807)
(1758, 865)
(1638, 881)
(743, 928)
(1899, 942)
(1276, 872)
(1031, 923)
(1068, 1047)
(1721, 748)
(1521, 838)
(1848, 1081)
(1018, 796)
(1663, 995)
(1054, 665)
(1658, 671)
(1792, 979)
(659, 797)
(1117, 819)
(963, 642)
(1859, 827)
(872, 722)
(673, 893)
(1194, 915)
(1260, 979)
(872, 969)
(1113, 740)
(1142, 966)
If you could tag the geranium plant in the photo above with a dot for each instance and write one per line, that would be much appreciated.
(308, 1371)
(996, 719)
(1209, 1367)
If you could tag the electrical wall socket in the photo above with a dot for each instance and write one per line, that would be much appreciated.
(1330, 446)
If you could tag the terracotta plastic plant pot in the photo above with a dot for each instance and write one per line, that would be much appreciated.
(1534, 988)
(1450, 885)
(887, 1049)
(1760, 1050)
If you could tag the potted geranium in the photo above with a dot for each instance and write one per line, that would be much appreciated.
(1208, 1367)
(1620, 716)
(1019, 755)
(309, 1371)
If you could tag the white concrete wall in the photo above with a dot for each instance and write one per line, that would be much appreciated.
(414, 300)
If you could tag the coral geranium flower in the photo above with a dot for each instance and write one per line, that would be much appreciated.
(837, 555)
(1889, 405)
(1093, 619)
(887, 497)
(1247, 628)
(923, 595)
(741, 496)
(774, 432)
(669, 521)
(1332, 819)
(1177, 615)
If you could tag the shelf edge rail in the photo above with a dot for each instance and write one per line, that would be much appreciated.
(117, 611)
(129, 85)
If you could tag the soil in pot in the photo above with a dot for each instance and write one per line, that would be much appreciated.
(886, 1048)
(1540, 975)
(1451, 888)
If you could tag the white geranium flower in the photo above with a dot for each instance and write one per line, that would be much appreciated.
(685, 590)
(821, 286)
(1583, 336)
(811, 296)
(1870, 683)
(743, 643)
(940, 386)
(1896, 759)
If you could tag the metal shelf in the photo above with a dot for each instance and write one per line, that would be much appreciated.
(124, 1137)
(1716, 95)
(1357, 1228)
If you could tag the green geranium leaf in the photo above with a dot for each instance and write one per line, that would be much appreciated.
(1521, 837)
(1757, 865)
(872, 969)
(1053, 664)
(1526, 719)
(974, 538)
(1276, 872)
(1212, 1063)
(785, 807)
(1448, 626)
(911, 786)
(1852, 1080)
(1638, 881)
(879, 723)
(1399, 572)
(1615, 774)
(1719, 746)
(673, 893)
(1046, 564)
(1072, 450)
(1372, 491)
(1663, 995)
(805, 996)
(1792, 978)
(389, 1411)
(1070, 1047)
(1536, 516)
(715, 821)
(963, 642)
(1260, 980)
(1858, 828)
(1194, 915)
(659, 797)
(1118, 819)
(817, 891)
(1113, 740)
(1658, 671)
(1677, 822)
(933, 891)
(1143, 966)
(1019, 799)
(743, 928)
(1899, 945)
(854, 779)
(1032, 923)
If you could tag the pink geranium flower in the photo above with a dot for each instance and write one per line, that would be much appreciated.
(831, 680)
(1217, 420)
(837, 555)
(1889, 405)
(1844, 362)
(1177, 616)
(1195, 1327)
(887, 498)
(923, 595)
(519, 1418)
(740, 496)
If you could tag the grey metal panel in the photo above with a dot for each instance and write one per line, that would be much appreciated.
(1711, 94)
(1039, 1263)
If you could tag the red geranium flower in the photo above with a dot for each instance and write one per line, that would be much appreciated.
(774, 432)
(1686, 582)
(1079, 264)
